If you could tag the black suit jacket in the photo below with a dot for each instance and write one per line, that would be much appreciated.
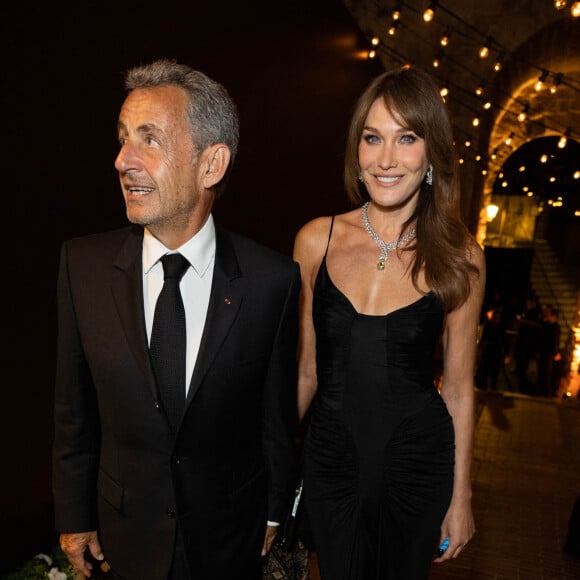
(232, 464)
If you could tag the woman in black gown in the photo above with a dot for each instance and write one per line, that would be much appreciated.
(388, 450)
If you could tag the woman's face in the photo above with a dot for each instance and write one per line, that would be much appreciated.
(392, 158)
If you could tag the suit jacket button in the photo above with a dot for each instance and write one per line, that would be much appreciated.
(170, 512)
(157, 405)
(176, 459)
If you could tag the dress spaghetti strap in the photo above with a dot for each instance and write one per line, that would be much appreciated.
(329, 236)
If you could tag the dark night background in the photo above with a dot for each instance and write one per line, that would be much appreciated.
(291, 69)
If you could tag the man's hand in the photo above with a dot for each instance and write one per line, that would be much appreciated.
(75, 545)
(269, 538)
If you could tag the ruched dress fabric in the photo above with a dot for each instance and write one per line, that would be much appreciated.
(379, 451)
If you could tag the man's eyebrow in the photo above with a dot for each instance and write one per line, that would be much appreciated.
(145, 128)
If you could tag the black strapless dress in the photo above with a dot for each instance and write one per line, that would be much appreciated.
(379, 451)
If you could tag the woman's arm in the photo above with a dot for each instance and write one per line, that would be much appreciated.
(309, 248)
(459, 352)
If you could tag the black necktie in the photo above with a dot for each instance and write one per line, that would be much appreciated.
(168, 339)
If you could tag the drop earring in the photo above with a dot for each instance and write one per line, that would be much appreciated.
(429, 176)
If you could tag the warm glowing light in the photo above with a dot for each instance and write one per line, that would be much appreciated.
(544, 158)
(484, 50)
(375, 40)
(396, 14)
(504, 184)
(479, 91)
(530, 194)
(552, 179)
(559, 4)
(541, 80)
(461, 160)
(508, 141)
(475, 121)
(393, 29)
(372, 53)
(523, 114)
(444, 92)
(487, 105)
(576, 174)
(525, 188)
(491, 211)
(563, 142)
(494, 154)
(436, 62)
(522, 168)
(577, 213)
(468, 142)
(498, 64)
(429, 14)
(444, 40)
(575, 9)
(478, 157)
(500, 175)
(556, 82)
(484, 172)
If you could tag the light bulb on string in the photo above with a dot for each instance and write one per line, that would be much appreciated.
(523, 114)
(484, 50)
(541, 80)
(393, 28)
(560, 4)
(429, 14)
(575, 9)
(396, 13)
(445, 38)
(372, 53)
(375, 41)
(509, 140)
(556, 82)
(498, 63)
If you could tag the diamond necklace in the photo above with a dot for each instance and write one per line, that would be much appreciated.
(385, 248)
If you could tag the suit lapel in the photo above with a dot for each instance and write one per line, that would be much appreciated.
(225, 300)
(127, 288)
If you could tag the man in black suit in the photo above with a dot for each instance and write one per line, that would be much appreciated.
(201, 498)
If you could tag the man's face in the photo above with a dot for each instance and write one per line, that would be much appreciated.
(157, 164)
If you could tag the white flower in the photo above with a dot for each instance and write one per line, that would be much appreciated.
(56, 574)
(44, 557)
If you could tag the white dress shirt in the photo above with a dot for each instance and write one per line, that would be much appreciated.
(195, 285)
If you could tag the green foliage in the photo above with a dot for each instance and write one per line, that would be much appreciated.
(39, 567)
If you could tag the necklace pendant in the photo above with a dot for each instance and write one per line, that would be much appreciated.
(381, 264)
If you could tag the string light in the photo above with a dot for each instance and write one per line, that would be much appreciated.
(445, 38)
(475, 121)
(429, 14)
(437, 60)
(468, 142)
(508, 141)
(541, 80)
(393, 28)
(560, 4)
(575, 10)
(564, 139)
(375, 41)
(484, 50)
(556, 82)
(523, 114)
(479, 90)
(487, 105)
(372, 53)
(396, 13)
(444, 91)
(498, 63)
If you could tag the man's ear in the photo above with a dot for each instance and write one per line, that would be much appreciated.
(215, 162)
